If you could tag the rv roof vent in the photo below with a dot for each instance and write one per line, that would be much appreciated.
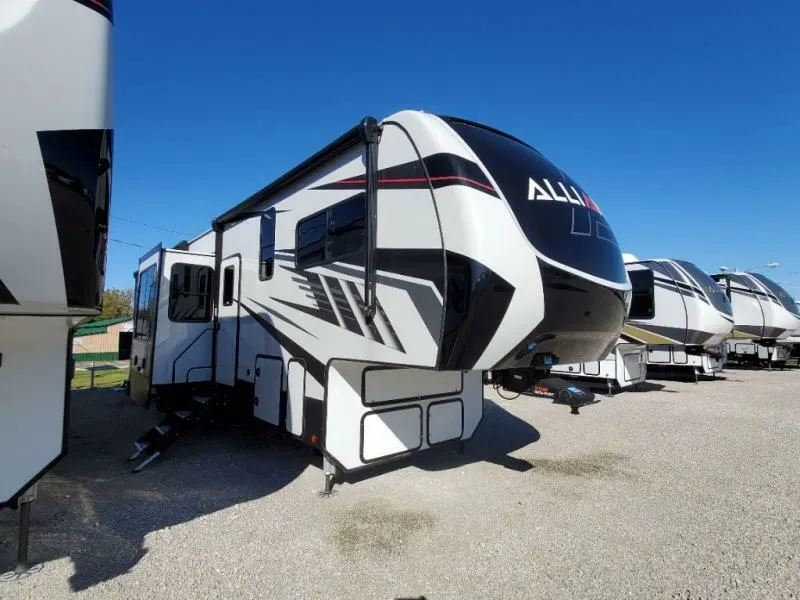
(629, 258)
(182, 245)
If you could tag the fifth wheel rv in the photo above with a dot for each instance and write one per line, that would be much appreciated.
(764, 314)
(55, 168)
(679, 317)
(680, 313)
(355, 301)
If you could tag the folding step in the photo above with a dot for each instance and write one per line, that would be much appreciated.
(161, 436)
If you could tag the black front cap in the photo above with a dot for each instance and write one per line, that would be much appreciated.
(582, 321)
(101, 7)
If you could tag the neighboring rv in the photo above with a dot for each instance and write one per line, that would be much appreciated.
(55, 167)
(681, 314)
(355, 301)
(679, 317)
(793, 341)
(623, 367)
(765, 316)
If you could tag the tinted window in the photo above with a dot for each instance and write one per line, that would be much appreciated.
(657, 267)
(643, 298)
(675, 273)
(227, 286)
(266, 259)
(346, 228)
(558, 220)
(332, 234)
(785, 299)
(145, 303)
(311, 241)
(190, 293)
(712, 290)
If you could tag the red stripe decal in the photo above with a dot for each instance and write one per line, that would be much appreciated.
(101, 5)
(420, 179)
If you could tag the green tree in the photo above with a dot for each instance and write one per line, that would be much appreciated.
(117, 303)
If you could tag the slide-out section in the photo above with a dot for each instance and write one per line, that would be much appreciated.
(374, 413)
(33, 379)
(184, 331)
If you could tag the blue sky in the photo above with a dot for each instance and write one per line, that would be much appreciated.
(681, 119)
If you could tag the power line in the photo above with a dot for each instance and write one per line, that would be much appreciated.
(126, 243)
(150, 226)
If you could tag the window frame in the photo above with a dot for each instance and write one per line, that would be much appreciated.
(269, 215)
(149, 272)
(206, 295)
(227, 290)
(651, 293)
(327, 212)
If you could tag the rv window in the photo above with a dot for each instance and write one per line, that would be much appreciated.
(346, 228)
(643, 301)
(266, 259)
(189, 293)
(227, 286)
(332, 234)
(145, 303)
(311, 240)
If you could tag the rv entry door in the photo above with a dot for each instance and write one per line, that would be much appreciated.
(228, 315)
(148, 278)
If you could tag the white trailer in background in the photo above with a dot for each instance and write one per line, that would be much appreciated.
(55, 168)
(355, 301)
(765, 316)
(624, 367)
(677, 321)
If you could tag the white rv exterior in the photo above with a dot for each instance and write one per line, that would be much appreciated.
(794, 336)
(356, 300)
(765, 316)
(625, 366)
(55, 168)
(680, 313)
(678, 320)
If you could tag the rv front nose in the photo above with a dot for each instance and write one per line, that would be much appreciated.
(582, 321)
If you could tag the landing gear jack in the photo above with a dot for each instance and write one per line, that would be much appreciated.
(331, 472)
(565, 392)
(23, 570)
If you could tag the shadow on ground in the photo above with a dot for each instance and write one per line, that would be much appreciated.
(92, 509)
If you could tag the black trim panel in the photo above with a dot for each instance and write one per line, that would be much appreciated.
(476, 300)
(77, 164)
(101, 7)
(6, 297)
(313, 422)
(396, 454)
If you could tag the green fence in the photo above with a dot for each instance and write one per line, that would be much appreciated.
(98, 356)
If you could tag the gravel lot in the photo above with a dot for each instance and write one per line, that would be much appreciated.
(680, 491)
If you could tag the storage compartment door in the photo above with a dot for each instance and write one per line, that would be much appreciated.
(390, 432)
(295, 393)
(445, 421)
(268, 384)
